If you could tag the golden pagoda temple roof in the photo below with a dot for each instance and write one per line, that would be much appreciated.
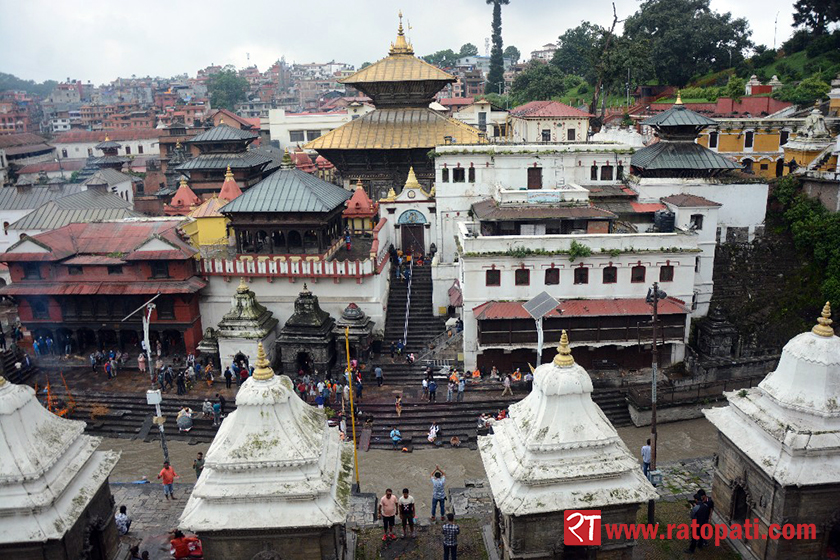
(396, 129)
(399, 66)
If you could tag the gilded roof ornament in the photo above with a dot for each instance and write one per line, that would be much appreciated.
(2, 380)
(287, 161)
(183, 181)
(178, 144)
(243, 286)
(228, 174)
(262, 370)
(359, 185)
(679, 99)
(107, 138)
(401, 46)
(391, 197)
(564, 353)
(411, 182)
(823, 326)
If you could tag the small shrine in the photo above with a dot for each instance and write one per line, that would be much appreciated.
(557, 451)
(778, 457)
(412, 214)
(359, 329)
(360, 214)
(276, 479)
(306, 341)
(811, 141)
(110, 158)
(717, 337)
(209, 346)
(183, 201)
(247, 324)
(55, 501)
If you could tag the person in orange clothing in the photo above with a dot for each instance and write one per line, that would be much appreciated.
(183, 547)
(168, 475)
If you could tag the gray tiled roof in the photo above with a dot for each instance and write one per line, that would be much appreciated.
(50, 216)
(678, 115)
(225, 133)
(25, 198)
(679, 155)
(221, 161)
(289, 190)
(91, 199)
(107, 175)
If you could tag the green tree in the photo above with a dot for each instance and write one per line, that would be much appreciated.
(538, 82)
(687, 38)
(496, 75)
(576, 50)
(735, 88)
(467, 49)
(442, 58)
(227, 88)
(9, 81)
(805, 93)
(364, 65)
(816, 15)
(512, 53)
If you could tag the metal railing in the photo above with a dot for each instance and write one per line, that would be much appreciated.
(440, 343)
(711, 390)
(408, 300)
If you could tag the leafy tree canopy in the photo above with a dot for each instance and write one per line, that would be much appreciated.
(687, 38)
(442, 58)
(576, 52)
(11, 82)
(468, 49)
(735, 88)
(805, 93)
(541, 82)
(512, 53)
(227, 88)
(816, 15)
(495, 77)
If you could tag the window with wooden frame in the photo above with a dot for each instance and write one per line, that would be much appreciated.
(637, 274)
(581, 275)
(552, 276)
(610, 275)
(522, 277)
(666, 273)
(493, 277)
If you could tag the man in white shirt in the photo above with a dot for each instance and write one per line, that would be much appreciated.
(407, 512)
(646, 458)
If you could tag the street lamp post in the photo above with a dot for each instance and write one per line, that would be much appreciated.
(653, 297)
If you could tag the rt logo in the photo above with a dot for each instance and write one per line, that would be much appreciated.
(582, 527)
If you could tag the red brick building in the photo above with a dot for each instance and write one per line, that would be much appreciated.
(79, 281)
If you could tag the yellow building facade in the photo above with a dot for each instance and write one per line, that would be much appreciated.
(756, 144)
(208, 227)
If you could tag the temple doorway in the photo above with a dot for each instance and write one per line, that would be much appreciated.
(303, 362)
(413, 238)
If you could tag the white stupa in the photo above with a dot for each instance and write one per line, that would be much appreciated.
(789, 425)
(558, 451)
(50, 473)
(273, 465)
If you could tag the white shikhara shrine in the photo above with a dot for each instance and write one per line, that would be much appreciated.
(274, 464)
(558, 451)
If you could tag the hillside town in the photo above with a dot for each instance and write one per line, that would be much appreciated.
(504, 299)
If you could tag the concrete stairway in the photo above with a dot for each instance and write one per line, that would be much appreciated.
(423, 326)
(8, 360)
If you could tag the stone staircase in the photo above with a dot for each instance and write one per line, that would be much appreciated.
(423, 326)
(8, 362)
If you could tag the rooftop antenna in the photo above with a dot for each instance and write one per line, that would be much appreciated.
(487, 46)
(248, 56)
(775, 26)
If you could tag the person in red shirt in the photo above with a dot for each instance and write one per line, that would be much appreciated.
(387, 512)
(168, 475)
(181, 546)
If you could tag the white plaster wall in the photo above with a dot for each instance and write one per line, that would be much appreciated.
(744, 205)
(9, 237)
(79, 150)
(707, 243)
(443, 276)
(530, 130)
(394, 235)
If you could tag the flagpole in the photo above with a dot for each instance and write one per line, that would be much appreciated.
(352, 408)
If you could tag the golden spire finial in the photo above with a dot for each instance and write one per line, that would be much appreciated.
(391, 196)
(401, 46)
(359, 184)
(262, 369)
(222, 120)
(679, 99)
(411, 182)
(107, 139)
(178, 144)
(183, 181)
(243, 286)
(823, 326)
(228, 174)
(564, 353)
(2, 380)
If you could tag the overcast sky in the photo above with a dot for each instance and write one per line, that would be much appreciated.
(99, 40)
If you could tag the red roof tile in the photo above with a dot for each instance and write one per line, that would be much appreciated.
(105, 238)
(456, 101)
(99, 135)
(360, 205)
(581, 308)
(643, 208)
(67, 165)
(183, 200)
(189, 286)
(230, 190)
(690, 201)
(536, 109)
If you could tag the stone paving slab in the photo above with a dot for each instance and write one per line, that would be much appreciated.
(152, 516)
(682, 479)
